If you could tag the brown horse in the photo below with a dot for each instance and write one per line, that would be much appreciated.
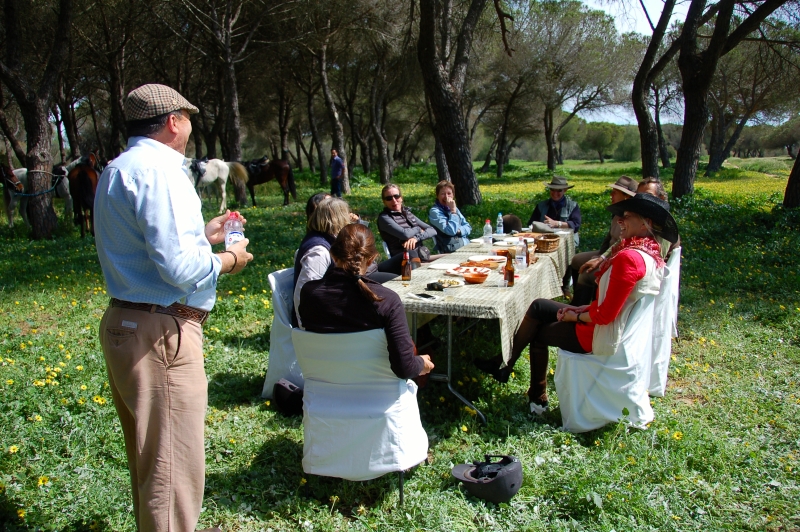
(83, 175)
(263, 170)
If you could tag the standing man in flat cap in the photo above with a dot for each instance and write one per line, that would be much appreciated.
(155, 251)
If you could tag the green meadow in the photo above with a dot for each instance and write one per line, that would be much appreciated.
(722, 454)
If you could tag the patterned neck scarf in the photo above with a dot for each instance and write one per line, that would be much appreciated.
(644, 244)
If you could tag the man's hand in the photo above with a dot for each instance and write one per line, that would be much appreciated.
(215, 230)
(410, 244)
(428, 364)
(242, 257)
(591, 265)
(551, 223)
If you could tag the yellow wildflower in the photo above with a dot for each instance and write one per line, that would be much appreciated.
(13, 449)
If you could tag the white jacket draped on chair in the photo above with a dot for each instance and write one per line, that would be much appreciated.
(665, 324)
(360, 421)
(593, 389)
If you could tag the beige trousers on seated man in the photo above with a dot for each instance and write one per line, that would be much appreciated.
(155, 370)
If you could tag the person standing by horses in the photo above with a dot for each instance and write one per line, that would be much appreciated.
(155, 252)
(337, 172)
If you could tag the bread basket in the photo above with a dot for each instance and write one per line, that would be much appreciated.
(547, 243)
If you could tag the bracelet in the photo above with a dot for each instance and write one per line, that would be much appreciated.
(235, 260)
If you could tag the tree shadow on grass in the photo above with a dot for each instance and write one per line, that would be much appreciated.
(275, 481)
(229, 389)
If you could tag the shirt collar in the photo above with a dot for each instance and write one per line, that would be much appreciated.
(162, 148)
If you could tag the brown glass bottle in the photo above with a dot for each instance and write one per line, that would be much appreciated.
(508, 270)
(405, 268)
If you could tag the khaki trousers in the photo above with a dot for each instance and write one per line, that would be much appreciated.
(157, 379)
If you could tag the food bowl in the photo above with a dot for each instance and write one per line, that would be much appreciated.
(475, 278)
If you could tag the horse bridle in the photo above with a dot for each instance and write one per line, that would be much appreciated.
(16, 183)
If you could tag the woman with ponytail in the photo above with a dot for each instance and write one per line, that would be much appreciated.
(345, 301)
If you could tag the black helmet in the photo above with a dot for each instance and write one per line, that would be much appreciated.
(492, 481)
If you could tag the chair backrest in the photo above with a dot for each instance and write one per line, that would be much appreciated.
(282, 359)
(386, 250)
(360, 421)
(665, 324)
(346, 358)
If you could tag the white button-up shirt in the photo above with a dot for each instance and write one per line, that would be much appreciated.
(150, 232)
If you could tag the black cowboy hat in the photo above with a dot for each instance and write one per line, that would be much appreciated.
(649, 206)
(492, 481)
(558, 182)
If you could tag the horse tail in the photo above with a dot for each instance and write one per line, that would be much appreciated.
(292, 187)
(238, 173)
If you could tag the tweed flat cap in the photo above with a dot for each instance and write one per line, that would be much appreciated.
(153, 100)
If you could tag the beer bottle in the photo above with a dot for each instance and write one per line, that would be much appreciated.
(405, 268)
(508, 272)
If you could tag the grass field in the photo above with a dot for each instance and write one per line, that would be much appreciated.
(722, 453)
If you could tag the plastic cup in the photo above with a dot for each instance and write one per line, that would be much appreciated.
(502, 284)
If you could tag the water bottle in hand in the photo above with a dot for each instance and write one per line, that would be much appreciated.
(487, 234)
(500, 223)
(234, 229)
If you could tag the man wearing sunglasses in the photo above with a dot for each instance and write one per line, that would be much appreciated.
(401, 230)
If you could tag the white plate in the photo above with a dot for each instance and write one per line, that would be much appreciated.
(515, 240)
(436, 265)
(503, 243)
(461, 270)
(477, 240)
(452, 283)
(496, 258)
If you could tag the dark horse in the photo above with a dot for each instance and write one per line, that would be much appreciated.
(263, 170)
(83, 175)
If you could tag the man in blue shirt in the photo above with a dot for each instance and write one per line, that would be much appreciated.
(337, 169)
(155, 251)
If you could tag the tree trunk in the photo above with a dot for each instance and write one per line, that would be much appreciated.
(549, 138)
(301, 146)
(337, 132)
(444, 96)
(34, 103)
(648, 70)
(116, 90)
(789, 152)
(791, 198)
(377, 109)
(502, 147)
(284, 118)
(366, 160)
(662, 143)
(233, 125)
(316, 144)
(600, 154)
(67, 108)
(10, 135)
(560, 155)
(441, 161)
(487, 163)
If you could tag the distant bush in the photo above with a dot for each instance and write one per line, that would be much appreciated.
(629, 148)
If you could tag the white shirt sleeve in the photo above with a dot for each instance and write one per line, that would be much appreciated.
(312, 267)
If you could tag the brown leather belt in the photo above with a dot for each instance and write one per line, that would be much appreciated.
(176, 309)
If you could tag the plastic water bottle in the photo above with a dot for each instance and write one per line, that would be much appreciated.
(234, 229)
(500, 223)
(522, 252)
(487, 233)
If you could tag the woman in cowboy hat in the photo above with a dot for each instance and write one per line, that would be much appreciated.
(583, 285)
(559, 212)
(634, 270)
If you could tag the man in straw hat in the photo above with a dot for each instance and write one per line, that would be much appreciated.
(559, 212)
(155, 251)
(583, 284)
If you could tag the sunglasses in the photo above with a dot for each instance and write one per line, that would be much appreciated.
(389, 198)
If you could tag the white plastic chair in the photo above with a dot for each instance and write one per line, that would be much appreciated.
(665, 324)
(359, 420)
(593, 390)
(282, 360)
(386, 250)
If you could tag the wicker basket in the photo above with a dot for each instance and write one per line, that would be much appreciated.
(547, 243)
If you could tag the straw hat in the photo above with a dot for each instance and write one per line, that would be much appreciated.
(153, 100)
(649, 206)
(558, 183)
(626, 185)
